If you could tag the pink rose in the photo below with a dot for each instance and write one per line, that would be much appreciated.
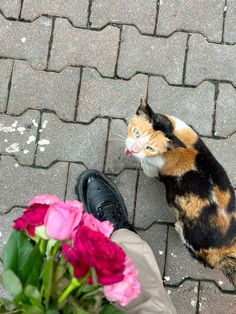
(34, 215)
(62, 219)
(93, 249)
(105, 227)
(126, 290)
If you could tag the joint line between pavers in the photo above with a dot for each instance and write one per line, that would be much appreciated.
(135, 196)
(50, 42)
(67, 180)
(223, 23)
(118, 51)
(9, 86)
(106, 145)
(198, 298)
(166, 252)
(215, 109)
(37, 137)
(157, 16)
(78, 94)
(89, 13)
(185, 59)
(21, 7)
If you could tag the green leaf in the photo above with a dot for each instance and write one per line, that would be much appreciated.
(110, 309)
(33, 278)
(29, 309)
(21, 299)
(34, 260)
(11, 282)
(34, 296)
(80, 310)
(16, 251)
(47, 277)
(52, 309)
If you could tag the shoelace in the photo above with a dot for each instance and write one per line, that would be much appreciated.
(111, 212)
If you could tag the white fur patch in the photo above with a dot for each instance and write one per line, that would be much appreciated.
(179, 124)
(152, 165)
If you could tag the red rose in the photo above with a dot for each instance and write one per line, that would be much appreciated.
(34, 215)
(93, 249)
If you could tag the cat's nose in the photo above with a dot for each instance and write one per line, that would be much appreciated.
(136, 148)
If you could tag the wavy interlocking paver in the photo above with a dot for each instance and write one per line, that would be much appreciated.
(161, 56)
(210, 61)
(72, 142)
(109, 97)
(19, 184)
(185, 297)
(200, 16)
(44, 90)
(10, 8)
(225, 110)
(77, 46)
(193, 105)
(18, 136)
(74, 171)
(141, 13)
(30, 41)
(156, 238)
(151, 205)
(225, 152)
(116, 160)
(230, 25)
(74, 10)
(5, 74)
(180, 264)
(211, 300)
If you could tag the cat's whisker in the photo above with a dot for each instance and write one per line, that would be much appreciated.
(117, 134)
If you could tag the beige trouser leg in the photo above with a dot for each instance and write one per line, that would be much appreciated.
(153, 297)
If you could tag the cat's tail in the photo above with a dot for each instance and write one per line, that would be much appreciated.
(228, 266)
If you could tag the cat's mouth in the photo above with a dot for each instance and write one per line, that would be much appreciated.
(128, 153)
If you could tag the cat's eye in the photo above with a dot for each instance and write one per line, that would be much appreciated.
(151, 149)
(136, 132)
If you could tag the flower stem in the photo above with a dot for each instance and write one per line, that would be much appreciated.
(72, 286)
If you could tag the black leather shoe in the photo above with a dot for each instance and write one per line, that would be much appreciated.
(102, 199)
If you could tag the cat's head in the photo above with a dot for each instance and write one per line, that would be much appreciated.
(150, 134)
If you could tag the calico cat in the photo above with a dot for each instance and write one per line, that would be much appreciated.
(197, 187)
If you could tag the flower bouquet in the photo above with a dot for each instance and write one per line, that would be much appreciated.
(60, 259)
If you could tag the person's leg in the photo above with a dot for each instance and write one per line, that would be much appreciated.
(153, 297)
(102, 199)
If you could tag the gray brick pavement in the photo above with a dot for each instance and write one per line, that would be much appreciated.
(75, 10)
(29, 41)
(75, 46)
(108, 97)
(125, 12)
(116, 63)
(44, 90)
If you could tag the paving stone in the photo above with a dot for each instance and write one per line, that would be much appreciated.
(72, 142)
(74, 171)
(200, 16)
(184, 297)
(151, 203)
(109, 97)
(28, 41)
(18, 135)
(5, 74)
(116, 160)
(75, 10)
(44, 90)
(209, 61)
(225, 152)
(10, 8)
(141, 13)
(225, 111)
(74, 46)
(180, 264)
(230, 25)
(20, 183)
(126, 183)
(161, 56)
(156, 238)
(193, 105)
(211, 300)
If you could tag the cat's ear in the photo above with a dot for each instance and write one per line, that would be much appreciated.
(144, 109)
(175, 142)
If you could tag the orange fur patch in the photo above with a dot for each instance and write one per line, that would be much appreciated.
(222, 197)
(179, 161)
(221, 221)
(213, 257)
(191, 204)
